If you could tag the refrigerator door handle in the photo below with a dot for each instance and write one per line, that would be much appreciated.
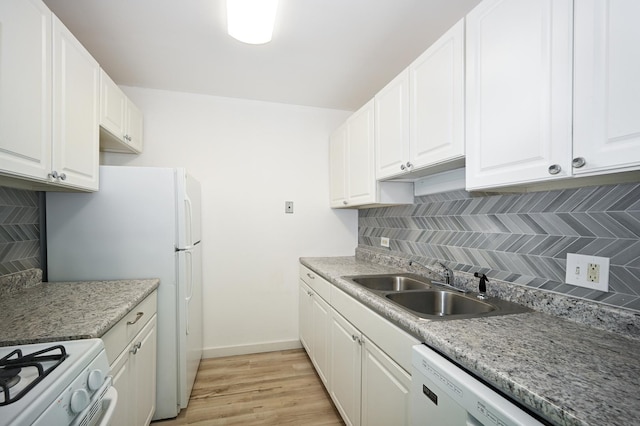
(189, 208)
(189, 284)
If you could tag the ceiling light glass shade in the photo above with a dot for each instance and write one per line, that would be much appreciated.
(251, 21)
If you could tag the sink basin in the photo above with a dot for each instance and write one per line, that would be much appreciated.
(440, 303)
(433, 300)
(394, 282)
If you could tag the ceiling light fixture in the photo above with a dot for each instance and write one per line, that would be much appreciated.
(251, 21)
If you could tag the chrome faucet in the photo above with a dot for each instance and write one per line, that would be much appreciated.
(447, 274)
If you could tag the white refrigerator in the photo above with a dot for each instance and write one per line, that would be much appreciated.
(144, 222)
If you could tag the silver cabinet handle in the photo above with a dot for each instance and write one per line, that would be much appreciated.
(57, 176)
(138, 316)
(409, 165)
(310, 293)
(345, 202)
(578, 162)
(356, 339)
(403, 167)
(135, 348)
(554, 169)
(311, 276)
(127, 138)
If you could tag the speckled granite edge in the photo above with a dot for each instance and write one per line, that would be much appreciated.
(12, 283)
(604, 317)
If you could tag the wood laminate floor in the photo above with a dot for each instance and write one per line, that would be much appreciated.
(273, 388)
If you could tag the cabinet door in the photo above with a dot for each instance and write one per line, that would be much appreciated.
(321, 345)
(385, 389)
(518, 92)
(437, 101)
(25, 88)
(134, 127)
(112, 106)
(345, 382)
(120, 372)
(607, 87)
(360, 154)
(143, 371)
(392, 127)
(304, 316)
(338, 167)
(76, 78)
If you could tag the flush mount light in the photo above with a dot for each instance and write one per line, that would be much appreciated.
(251, 21)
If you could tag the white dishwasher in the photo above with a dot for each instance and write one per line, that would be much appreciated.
(443, 394)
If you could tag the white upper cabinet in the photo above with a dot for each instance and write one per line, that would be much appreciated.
(338, 167)
(606, 86)
(75, 115)
(352, 166)
(120, 120)
(419, 118)
(518, 92)
(437, 102)
(25, 88)
(360, 156)
(392, 128)
(48, 101)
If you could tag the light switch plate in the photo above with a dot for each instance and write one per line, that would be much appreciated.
(588, 271)
(288, 206)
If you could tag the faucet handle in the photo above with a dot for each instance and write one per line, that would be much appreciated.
(448, 273)
(482, 286)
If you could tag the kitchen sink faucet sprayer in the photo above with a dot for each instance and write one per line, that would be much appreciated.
(482, 286)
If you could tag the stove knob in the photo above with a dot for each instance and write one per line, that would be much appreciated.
(95, 380)
(79, 400)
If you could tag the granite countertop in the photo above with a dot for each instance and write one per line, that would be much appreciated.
(51, 312)
(570, 373)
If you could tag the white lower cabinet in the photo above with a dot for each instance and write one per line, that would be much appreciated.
(346, 372)
(366, 385)
(315, 317)
(367, 357)
(132, 352)
(385, 388)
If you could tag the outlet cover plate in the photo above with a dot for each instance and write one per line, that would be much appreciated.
(578, 271)
(384, 242)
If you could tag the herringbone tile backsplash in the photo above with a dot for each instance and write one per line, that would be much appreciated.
(521, 238)
(19, 230)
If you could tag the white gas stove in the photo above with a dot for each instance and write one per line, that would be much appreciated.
(56, 384)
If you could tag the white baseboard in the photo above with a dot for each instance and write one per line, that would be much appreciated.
(250, 349)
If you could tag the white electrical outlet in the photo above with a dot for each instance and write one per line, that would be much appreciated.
(588, 271)
(593, 272)
(384, 242)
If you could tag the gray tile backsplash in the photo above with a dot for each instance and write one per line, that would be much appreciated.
(522, 238)
(19, 230)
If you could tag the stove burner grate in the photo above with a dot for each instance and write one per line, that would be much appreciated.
(11, 365)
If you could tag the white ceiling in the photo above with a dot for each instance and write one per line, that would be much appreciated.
(324, 53)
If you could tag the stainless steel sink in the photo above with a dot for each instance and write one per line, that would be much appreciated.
(440, 303)
(401, 282)
(433, 300)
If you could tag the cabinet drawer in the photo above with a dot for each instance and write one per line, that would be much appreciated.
(392, 340)
(316, 282)
(118, 337)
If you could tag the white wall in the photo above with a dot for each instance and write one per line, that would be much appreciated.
(250, 158)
